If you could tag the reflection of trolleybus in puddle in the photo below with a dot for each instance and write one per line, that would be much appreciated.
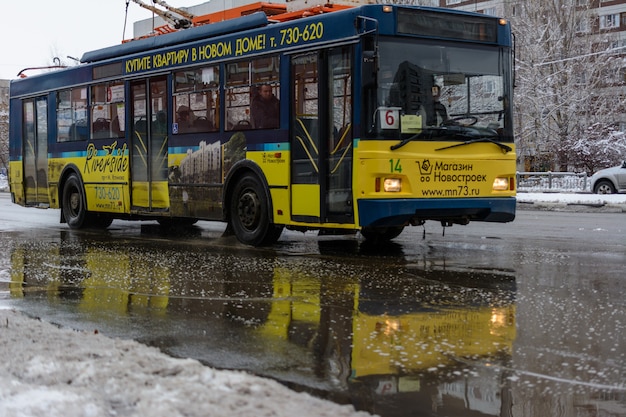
(167, 128)
(372, 339)
(430, 350)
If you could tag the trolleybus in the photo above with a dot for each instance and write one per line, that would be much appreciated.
(368, 118)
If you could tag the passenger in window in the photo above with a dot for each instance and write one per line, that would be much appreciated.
(159, 126)
(265, 109)
(184, 119)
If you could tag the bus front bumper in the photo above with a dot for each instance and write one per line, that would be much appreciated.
(399, 212)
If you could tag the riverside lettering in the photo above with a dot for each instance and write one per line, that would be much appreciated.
(115, 159)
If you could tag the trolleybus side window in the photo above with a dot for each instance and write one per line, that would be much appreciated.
(252, 91)
(196, 100)
(107, 111)
(265, 108)
(238, 96)
(72, 115)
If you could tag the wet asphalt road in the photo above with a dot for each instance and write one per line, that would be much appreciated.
(520, 319)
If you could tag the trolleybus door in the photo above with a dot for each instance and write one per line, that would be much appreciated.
(35, 142)
(321, 137)
(149, 152)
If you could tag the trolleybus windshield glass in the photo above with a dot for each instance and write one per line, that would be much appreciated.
(440, 91)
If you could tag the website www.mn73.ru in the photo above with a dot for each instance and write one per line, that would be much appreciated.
(460, 191)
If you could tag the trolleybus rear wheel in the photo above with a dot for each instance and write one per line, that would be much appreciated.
(74, 205)
(249, 214)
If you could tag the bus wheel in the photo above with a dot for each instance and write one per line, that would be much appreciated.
(381, 234)
(249, 215)
(74, 206)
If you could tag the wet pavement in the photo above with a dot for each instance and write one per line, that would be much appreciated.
(523, 319)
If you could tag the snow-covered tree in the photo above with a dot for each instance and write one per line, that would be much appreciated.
(600, 147)
(566, 73)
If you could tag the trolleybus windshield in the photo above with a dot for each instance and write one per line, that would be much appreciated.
(440, 91)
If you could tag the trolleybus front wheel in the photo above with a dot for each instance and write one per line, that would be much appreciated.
(249, 214)
(75, 207)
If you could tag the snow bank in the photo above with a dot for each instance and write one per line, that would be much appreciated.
(50, 371)
(572, 198)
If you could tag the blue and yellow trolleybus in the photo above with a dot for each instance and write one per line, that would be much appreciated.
(367, 118)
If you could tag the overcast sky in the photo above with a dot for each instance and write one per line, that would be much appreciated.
(35, 31)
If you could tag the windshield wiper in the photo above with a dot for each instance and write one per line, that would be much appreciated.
(432, 133)
(428, 134)
(505, 148)
(404, 142)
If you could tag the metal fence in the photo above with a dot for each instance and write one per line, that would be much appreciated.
(553, 181)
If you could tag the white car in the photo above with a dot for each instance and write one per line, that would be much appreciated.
(610, 180)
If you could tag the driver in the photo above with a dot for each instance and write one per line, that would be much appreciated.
(438, 113)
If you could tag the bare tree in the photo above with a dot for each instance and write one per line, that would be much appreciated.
(564, 68)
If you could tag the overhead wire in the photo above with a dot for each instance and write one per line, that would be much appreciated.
(125, 20)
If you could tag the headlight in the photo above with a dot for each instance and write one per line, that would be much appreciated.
(392, 185)
(500, 184)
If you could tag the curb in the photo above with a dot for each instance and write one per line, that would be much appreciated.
(571, 207)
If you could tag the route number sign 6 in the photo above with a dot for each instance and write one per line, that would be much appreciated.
(389, 117)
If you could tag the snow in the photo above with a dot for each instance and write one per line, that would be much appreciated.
(50, 371)
(572, 198)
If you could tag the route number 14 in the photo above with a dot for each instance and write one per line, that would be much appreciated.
(395, 165)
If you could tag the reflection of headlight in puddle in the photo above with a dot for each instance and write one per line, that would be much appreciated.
(499, 318)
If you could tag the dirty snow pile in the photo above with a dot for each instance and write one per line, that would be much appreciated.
(50, 371)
